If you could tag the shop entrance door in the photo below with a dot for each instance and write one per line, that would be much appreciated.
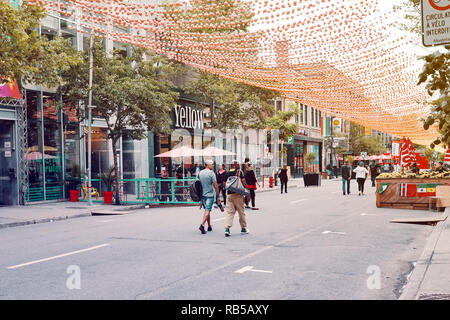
(8, 164)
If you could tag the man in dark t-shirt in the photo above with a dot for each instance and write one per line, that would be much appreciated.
(235, 201)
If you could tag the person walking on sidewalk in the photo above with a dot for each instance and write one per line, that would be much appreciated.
(208, 180)
(221, 178)
(346, 177)
(235, 202)
(361, 175)
(250, 178)
(282, 174)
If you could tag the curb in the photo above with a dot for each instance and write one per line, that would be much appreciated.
(412, 288)
(66, 217)
(28, 222)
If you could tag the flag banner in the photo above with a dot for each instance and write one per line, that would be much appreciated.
(404, 153)
(408, 190)
(383, 187)
(412, 151)
(427, 190)
(447, 156)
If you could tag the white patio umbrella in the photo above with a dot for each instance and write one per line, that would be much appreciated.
(180, 152)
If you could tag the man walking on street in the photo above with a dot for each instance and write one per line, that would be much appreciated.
(374, 172)
(283, 178)
(346, 177)
(208, 180)
(235, 202)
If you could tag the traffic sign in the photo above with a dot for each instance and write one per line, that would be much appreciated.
(435, 22)
(290, 140)
(364, 155)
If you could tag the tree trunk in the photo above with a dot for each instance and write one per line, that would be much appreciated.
(211, 110)
(116, 172)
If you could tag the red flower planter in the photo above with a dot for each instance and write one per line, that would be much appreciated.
(107, 197)
(74, 195)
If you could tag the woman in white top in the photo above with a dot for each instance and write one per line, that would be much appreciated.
(361, 174)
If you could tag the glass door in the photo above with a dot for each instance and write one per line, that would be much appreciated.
(8, 164)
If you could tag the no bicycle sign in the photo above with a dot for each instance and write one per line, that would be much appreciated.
(435, 22)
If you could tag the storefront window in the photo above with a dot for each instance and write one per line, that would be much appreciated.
(71, 143)
(69, 31)
(101, 154)
(35, 190)
(50, 27)
(52, 149)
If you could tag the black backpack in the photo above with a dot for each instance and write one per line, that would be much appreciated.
(196, 191)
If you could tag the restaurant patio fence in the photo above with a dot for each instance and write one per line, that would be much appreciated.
(148, 191)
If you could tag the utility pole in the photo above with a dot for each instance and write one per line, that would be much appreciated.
(332, 143)
(91, 63)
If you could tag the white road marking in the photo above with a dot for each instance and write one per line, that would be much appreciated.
(328, 231)
(107, 220)
(368, 214)
(219, 219)
(297, 201)
(165, 287)
(250, 268)
(335, 192)
(58, 256)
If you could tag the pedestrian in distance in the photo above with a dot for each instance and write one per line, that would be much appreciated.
(250, 178)
(346, 177)
(208, 180)
(235, 202)
(221, 178)
(374, 172)
(282, 174)
(415, 169)
(440, 168)
(361, 174)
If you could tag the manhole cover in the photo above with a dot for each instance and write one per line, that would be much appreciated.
(437, 296)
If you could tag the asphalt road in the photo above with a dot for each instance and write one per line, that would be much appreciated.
(311, 243)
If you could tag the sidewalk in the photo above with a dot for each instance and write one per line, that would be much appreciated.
(291, 183)
(48, 212)
(430, 279)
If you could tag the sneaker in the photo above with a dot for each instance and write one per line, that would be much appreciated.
(202, 229)
(209, 228)
(245, 231)
(227, 232)
(247, 207)
(254, 208)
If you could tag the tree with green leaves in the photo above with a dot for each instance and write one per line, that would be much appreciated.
(411, 9)
(436, 75)
(231, 104)
(371, 145)
(25, 54)
(132, 94)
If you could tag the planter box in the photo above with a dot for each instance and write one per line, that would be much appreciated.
(107, 197)
(311, 179)
(74, 195)
(391, 197)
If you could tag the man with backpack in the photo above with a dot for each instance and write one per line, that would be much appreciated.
(208, 181)
(235, 201)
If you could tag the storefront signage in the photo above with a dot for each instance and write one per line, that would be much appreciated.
(7, 144)
(188, 118)
(435, 22)
(8, 154)
(396, 148)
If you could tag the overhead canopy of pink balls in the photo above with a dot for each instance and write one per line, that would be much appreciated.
(343, 57)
